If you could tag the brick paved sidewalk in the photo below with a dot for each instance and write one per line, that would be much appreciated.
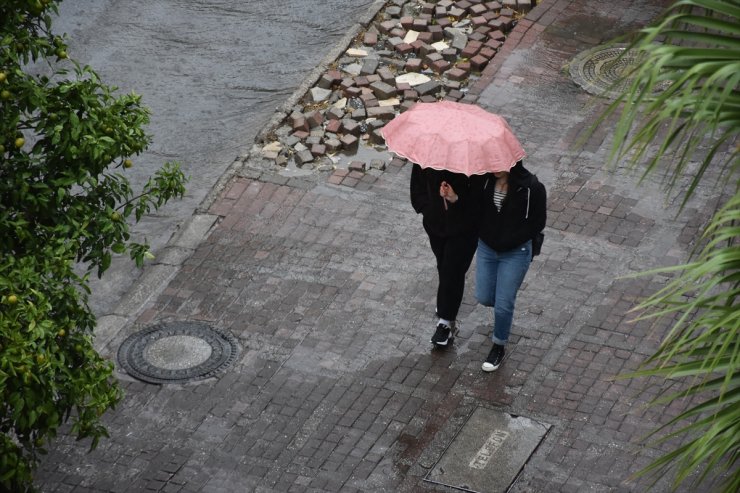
(329, 290)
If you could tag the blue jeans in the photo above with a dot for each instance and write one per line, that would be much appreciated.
(498, 277)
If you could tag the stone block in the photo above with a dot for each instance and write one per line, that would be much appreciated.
(385, 113)
(463, 66)
(303, 157)
(497, 35)
(428, 88)
(456, 74)
(428, 99)
(432, 57)
(385, 75)
(413, 65)
(333, 126)
(406, 105)
(423, 38)
(507, 12)
(525, 5)
(383, 90)
(488, 52)
(387, 26)
(319, 94)
(478, 62)
(298, 122)
(436, 31)
(444, 22)
(410, 95)
(440, 66)
(369, 66)
(370, 100)
(350, 127)
(454, 84)
(314, 119)
(427, 8)
(493, 44)
(440, 12)
(455, 95)
(300, 134)
(407, 22)
(370, 38)
(494, 6)
(349, 142)
(478, 21)
(404, 48)
(318, 150)
(329, 79)
(334, 114)
(378, 164)
(507, 22)
(489, 16)
(420, 25)
(332, 145)
(352, 92)
(356, 166)
(477, 9)
(456, 13)
(449, 54)
(394, 41)
(402, 86)
(471, 49)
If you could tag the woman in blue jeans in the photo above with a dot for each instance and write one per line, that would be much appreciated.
(513, 212)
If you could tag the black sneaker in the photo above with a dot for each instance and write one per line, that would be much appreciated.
(495, 357)
(442, 335)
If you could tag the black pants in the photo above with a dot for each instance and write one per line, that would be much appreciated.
(454, 255)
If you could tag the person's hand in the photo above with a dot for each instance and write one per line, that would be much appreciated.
(447, 193)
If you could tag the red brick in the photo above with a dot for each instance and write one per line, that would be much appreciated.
(478, 62)
(407, 22)
(456, 73)
(413, 65)
(333, 126)
(440, 66)
(370, 38)
(404, 48)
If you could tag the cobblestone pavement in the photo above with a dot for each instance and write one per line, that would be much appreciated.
(329, 288)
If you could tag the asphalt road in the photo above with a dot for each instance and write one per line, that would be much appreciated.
(212, 72)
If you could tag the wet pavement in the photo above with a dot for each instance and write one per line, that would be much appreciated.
(328, 285)
(212, 73)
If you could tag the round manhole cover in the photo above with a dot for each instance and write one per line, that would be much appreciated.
(605, 70)
(177, 352)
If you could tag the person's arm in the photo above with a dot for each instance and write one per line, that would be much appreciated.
(418, 189)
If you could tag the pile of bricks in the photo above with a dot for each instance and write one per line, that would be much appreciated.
(412, 51)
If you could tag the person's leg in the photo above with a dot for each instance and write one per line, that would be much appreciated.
(458, 255)
(512, 268)
(485, 274)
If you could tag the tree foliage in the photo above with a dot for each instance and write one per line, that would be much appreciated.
(683, 107)
(66, 140)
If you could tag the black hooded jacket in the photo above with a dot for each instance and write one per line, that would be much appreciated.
(458, 218)
(523, 213)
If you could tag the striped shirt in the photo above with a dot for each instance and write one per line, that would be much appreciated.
(498, 198)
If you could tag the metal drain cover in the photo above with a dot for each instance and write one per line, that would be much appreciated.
(604, 70)
(177, 352)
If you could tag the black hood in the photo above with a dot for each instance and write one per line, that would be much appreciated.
(519, 175)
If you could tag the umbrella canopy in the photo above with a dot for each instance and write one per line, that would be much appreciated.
(457, 137)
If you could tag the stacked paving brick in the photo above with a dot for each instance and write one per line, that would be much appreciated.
(413, 51)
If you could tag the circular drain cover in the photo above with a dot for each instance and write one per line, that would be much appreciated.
(602, 72)
(177, 352)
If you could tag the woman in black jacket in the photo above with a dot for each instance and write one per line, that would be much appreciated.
(513, 212)
(449, 206)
